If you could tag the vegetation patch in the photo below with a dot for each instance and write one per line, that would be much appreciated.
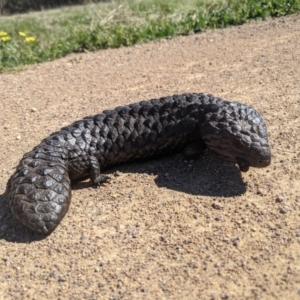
(47, 35)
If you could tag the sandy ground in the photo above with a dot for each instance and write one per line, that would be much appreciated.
(164, 229)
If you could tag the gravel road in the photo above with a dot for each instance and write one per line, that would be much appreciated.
(169, 228)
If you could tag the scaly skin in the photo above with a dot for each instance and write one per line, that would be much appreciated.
(40, 193)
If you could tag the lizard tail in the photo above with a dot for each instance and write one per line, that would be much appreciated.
(40, 192)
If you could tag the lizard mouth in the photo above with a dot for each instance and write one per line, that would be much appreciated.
(243, 164)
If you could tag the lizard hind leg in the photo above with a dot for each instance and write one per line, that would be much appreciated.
(87, 166)
(194, 150)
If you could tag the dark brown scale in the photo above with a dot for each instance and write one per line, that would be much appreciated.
(39, 191)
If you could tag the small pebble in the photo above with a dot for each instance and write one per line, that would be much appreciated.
(18, 137)
(33, 109)
(217, 205)
(282, 210)
(260, 192)
(62, 279)
(279, 199)
(236, 241)
(53, 274)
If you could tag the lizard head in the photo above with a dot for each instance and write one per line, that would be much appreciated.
(236, 133)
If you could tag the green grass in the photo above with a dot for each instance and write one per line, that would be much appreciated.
(122, 23)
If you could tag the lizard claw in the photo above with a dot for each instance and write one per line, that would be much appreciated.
(101, 179)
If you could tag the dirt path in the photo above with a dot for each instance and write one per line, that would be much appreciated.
(161, 229)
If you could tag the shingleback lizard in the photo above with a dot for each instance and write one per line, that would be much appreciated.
(40, 189)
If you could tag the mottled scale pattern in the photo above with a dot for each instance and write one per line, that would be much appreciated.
(39, 190)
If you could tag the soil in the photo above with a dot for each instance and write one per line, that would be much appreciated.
(168, 228)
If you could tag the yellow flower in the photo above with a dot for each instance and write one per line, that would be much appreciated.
(22, 33)
(3, 33)
(30, 39)
(6, 38)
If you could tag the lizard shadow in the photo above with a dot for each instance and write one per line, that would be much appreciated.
(207, 176)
